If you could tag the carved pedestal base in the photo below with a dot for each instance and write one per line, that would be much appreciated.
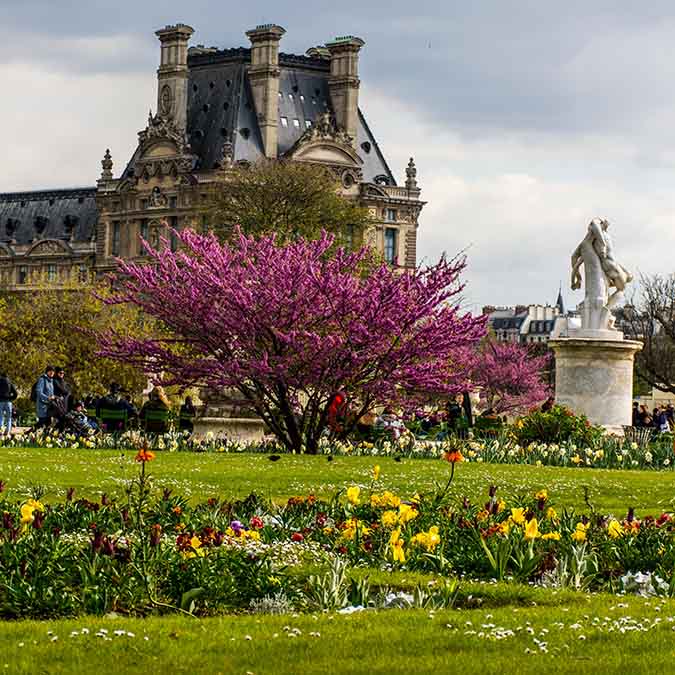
(222, 415)
(595, 378)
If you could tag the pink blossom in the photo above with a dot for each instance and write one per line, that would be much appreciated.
(287, 327)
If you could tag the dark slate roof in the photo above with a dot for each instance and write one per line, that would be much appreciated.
(508, 322)
(46, 215)
(541, 327)
(220, 105)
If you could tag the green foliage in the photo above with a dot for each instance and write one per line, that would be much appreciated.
(291, 199)
(558, 425)
(50, 325)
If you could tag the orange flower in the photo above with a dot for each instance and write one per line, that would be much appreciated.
(145, 455)
(177, 510)
(453, 457)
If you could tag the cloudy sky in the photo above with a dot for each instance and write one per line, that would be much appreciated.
(526, 118)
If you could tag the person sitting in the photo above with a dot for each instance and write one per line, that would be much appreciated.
(113, 410)
(154, 414)
(186, 416)
(661, 421)
(79, 421)
(389, 422)
(455, 414)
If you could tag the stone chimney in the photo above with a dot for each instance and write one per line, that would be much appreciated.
(263, 74)
(343, 82)
(172, 75)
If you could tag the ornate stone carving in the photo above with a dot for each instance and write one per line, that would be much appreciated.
(325, 128)
(166, 101)
(162, 128)
(47, 248)
(157, 199)
(107, 165)
(411, 175)
(226, 154)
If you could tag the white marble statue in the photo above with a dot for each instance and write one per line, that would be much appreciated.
(602, 273)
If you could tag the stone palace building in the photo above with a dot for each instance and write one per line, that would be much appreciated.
(215, 109)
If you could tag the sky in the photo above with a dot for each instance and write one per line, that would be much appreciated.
(525, 118)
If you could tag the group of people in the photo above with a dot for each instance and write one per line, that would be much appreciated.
(56, 406)
(661, 418)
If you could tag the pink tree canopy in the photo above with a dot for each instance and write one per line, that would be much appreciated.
(509, 375)
(290, 326)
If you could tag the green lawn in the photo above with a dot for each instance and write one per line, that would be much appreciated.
(504, 631)
(582, 634)
(200, 476)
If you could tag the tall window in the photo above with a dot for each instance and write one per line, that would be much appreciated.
(390, 245)
(51, 273)
(144, 233)
(115, 244)
(349, 237)
(173, 224)
(22, 277)
(390, 215)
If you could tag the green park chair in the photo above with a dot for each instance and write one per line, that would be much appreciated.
(156, 421)
(113, 419)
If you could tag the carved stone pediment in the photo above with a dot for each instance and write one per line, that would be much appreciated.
(49, 247)
(374, 191)
(323, 142)
(164, 150)
(161, 129)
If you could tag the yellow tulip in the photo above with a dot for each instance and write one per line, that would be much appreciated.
(551, 513)
(376, 472)
(353, 494)
(541, 495)
(554, 536)
(389, 519)
(579, 533)
(396, 544)
(532, 530)
(406, 513)
(614, 529)
(518, 516)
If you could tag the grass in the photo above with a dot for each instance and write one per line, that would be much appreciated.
(199, 476)
(582, 635)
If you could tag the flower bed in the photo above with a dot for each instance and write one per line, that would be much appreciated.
(153, 552)
(607, 453)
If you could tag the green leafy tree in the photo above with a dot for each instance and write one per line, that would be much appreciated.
(291, 199)
(55, 326)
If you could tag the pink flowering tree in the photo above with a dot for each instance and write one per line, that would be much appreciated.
(289, 327)
(510, 376)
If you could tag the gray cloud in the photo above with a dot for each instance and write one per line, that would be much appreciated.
(526, 118)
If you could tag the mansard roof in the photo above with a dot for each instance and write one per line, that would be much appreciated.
(220, 106)
(48, 214)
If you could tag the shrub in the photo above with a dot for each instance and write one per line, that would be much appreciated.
(557, 425)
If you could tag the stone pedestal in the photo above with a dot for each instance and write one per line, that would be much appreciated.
(594, 377)
(225, 414)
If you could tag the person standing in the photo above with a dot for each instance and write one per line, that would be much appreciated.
(62, 388)
(44, 397)
(8, 395)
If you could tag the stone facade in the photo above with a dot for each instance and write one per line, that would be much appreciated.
(215, 109)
